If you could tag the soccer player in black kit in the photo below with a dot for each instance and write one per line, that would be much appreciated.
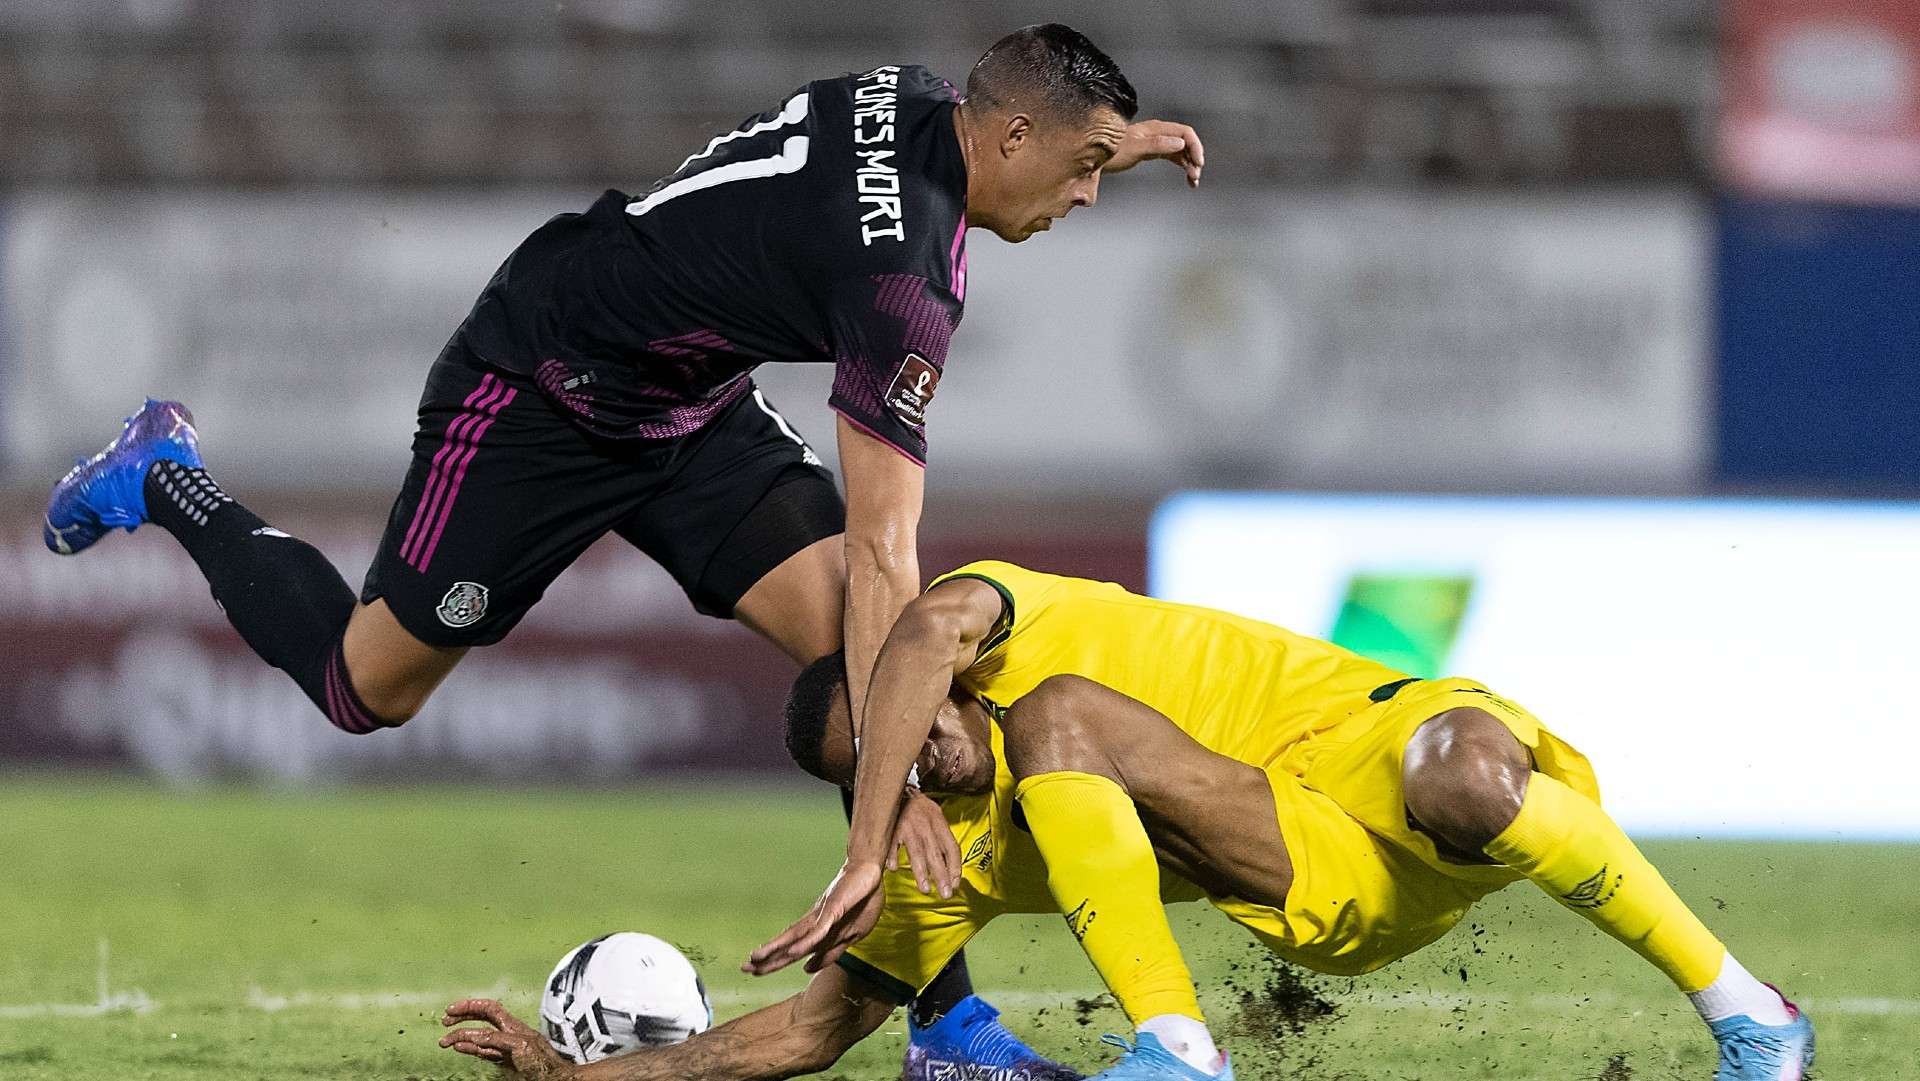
(603, 382)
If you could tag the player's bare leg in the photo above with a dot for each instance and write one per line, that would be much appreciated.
(1469, 782)
(1201, 809)
(1111, 790)
(393, 672)
(800, 604)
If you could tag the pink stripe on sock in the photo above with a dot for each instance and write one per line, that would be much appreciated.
(363, 721)
(447, 444)
(341, 709)
(460, 434)
(460, 474)
(333, 698)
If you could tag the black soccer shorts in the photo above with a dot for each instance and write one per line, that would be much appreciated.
(505, 492)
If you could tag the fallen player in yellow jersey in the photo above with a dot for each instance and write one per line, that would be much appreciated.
(1098, 753)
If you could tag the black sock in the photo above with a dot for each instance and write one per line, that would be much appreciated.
(947, 989)
(281, 594)
(944, 993)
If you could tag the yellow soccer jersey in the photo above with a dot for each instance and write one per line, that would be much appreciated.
(1242, 688)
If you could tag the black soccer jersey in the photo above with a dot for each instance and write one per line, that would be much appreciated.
(829, 229)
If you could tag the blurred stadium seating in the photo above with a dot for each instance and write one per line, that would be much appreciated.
(279, 92)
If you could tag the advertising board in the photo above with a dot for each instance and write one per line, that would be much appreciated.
(1731, 667)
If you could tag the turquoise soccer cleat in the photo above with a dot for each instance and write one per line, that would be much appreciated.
(1751, 1051)
(1147, 1060)
(105, 492)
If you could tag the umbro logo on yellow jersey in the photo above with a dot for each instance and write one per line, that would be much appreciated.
(1080, 919)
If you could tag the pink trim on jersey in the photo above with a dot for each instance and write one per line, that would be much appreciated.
(888, 443)
(691, 344)
(957, 261)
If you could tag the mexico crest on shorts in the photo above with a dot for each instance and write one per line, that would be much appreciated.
(464, 604)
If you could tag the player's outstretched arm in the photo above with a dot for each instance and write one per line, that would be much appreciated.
(885, 490)
(804, 1034)
(935, 639)
(1160, 139)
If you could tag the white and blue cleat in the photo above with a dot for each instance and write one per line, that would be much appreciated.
(1148, 1060)
(105, 492)
(970, 1044)
(1751, 1051)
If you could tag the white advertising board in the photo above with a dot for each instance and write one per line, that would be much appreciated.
(1152, 343)
(1731, 667)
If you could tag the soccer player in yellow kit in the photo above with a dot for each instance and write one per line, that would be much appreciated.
(1132, 734)
(1081, 740)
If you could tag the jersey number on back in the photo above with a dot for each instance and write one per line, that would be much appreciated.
(737, 155)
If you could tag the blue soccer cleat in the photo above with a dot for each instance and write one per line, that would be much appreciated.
(970, 1044)
(104, 491)
(1751, 1051)
(1148, 1060)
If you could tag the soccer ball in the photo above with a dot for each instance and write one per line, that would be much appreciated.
(621, 992)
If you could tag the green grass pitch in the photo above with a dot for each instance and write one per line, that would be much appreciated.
(316, 935)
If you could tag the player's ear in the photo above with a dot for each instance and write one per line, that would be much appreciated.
(1016, 134)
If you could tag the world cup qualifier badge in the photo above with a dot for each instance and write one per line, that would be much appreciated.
(913, 387)
(464, 604)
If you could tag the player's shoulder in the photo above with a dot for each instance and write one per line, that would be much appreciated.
(1020, 587)
(985, 569)
(910, 83)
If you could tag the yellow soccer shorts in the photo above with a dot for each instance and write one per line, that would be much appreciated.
(1368, 888)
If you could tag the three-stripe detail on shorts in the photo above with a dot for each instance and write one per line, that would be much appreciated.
(457, 449)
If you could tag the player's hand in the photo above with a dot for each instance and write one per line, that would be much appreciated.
(511, 1043)
(1151, 139)
(931, 850)
(841, 917)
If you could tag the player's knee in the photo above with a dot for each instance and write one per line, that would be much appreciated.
(1464, 776)
(394, 712)
(1051, 729)
(391, 672)
(392, 694)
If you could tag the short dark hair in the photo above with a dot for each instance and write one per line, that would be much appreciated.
(810, 707)
(1054, 65)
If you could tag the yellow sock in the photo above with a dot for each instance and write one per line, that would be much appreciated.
(1102, 873)
(1566, 844)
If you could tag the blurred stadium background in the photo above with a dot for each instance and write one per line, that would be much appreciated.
(1597, 266)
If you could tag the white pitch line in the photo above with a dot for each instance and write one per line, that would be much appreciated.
(135, 1001)
(366, 1000)
(123, 1002)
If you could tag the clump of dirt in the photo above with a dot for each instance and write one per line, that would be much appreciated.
(1084, 1009)
(1616, 1069)
(1276, 999)
(1278, 1005)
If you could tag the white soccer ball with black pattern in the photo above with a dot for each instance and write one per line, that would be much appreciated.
(622, 992)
